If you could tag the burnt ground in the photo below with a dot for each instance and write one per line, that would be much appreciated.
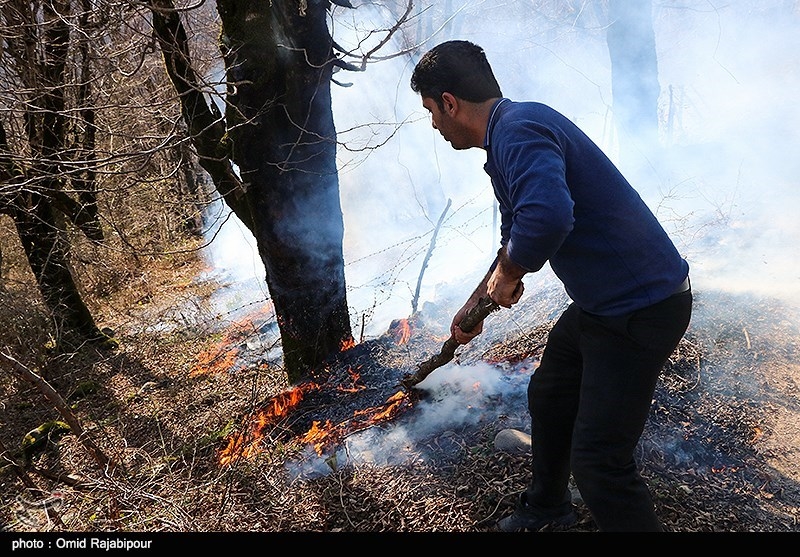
(204, 435)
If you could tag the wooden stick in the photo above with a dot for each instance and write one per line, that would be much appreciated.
(482, 309)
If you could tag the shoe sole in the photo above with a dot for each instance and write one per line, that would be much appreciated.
(561, 521)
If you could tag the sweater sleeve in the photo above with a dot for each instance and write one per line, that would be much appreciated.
(541, 207)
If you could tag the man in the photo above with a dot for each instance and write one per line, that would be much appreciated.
(564, 202)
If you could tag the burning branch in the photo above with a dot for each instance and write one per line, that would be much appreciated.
(482, 309)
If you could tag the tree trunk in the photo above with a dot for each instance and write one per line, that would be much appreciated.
(278, 59)
(634, 74)
(47, 249)
(279, 132)
(37, 207)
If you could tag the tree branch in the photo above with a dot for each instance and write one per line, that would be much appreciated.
(415, 300)
(482, 309)
(61, 406)
(205, 123)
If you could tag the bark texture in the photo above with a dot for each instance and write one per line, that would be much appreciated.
(36, 184)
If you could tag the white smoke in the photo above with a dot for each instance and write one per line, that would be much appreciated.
(724, 185)
(455, 398)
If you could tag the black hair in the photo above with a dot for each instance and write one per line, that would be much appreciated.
(456, 67)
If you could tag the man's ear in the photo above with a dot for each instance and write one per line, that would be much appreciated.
(450, 103)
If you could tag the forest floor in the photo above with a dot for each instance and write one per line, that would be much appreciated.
(203, 434)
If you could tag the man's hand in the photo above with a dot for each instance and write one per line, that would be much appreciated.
(463, 337)
(503, 291)
(502, 285)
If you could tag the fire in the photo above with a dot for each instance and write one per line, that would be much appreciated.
(245, 444)
(221, 356)
(216, 359)
(280, 404)
(321, 435)
(347, 344)
(401, 330)
(387, 411)
(723, 468)
(329, 434)
(355, 387)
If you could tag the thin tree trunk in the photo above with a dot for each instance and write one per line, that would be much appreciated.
(634, 73)
(46, 247)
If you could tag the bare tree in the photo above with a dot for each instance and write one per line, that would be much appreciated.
(89, 148)
(37, 48)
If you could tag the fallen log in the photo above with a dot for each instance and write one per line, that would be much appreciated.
(482, 309)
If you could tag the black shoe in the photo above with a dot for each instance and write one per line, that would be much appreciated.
(526, 518)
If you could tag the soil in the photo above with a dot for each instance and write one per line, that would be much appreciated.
(188, 411)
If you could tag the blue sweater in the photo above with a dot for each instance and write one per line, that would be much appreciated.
(562, 200)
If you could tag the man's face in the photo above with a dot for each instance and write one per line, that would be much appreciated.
(446, 123)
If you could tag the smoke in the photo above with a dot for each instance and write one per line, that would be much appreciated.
(457, 398)
(722, 181)
(234, 263)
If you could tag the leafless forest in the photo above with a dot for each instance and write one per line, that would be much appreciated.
(143, 386)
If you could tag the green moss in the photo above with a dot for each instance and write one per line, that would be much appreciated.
(36, 440)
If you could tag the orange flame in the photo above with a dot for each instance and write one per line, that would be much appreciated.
(355, 387)
(323, 437)
(722, 468)
(245, 444)
(401, 331)
(385, 412)
(216, 359)
(221, 356)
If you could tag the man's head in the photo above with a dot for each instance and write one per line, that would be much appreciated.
(456, 67)
(456, 84)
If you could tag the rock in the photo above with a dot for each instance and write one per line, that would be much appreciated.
(512, 441)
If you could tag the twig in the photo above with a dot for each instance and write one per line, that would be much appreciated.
(23, 476)
(18, 469)
(415, 299)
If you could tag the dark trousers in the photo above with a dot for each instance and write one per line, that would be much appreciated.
(589, 400)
